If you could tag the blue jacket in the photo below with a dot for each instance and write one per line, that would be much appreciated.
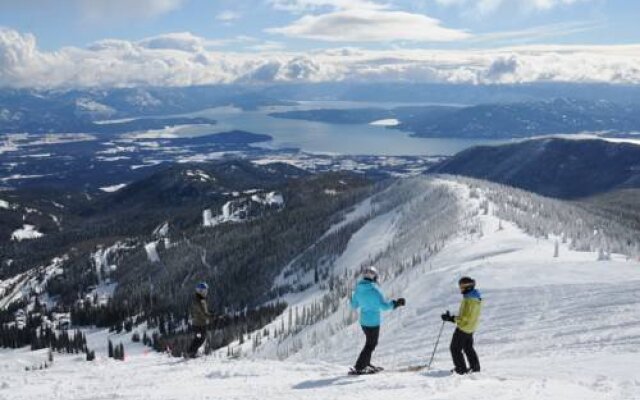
(369, 298)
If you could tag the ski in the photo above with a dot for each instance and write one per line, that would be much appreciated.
(370, 371)
(413, 368)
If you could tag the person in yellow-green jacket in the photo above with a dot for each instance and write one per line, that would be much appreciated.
(466, 324)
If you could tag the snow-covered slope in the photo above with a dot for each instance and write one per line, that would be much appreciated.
(564, 327)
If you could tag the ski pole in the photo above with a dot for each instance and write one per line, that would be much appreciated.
(436, 346)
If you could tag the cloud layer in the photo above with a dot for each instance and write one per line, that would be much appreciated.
(98, 10)
(182, 59)
(489, 6)
(370, 26)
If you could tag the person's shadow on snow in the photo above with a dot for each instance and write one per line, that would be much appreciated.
(314, 384)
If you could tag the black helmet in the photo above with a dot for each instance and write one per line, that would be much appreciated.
(466, 283)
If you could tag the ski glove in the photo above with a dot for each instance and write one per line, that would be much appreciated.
(399, 302)
(448, 317)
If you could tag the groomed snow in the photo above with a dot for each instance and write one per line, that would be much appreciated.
(562, 328)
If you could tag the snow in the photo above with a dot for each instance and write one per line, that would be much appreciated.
(207, 219)
(27, 232)
(168, 132)
(117, 149)
(94, 106)
(271, 198)
(7, 146)
(236, 210)
(152, 252)
(39, 155)
(55, 219)
(112, 159)
(101, 259)
(4, 204)
(563, 327)
(23, 285)
(385, 122)
(199, 175)
(362, 210)
(162, 230)
(15, 177)
(206, 157)
(148, 163)
(113, 188)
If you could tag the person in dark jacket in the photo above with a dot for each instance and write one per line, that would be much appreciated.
(371, 301)
(200, 317)
(466, 324)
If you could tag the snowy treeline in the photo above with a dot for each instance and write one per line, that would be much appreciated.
(425, 214)
(539, 216)
(315, 265)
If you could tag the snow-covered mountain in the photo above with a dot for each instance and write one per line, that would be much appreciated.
(560, 317)
(563, 168)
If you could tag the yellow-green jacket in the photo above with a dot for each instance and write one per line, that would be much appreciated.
(469, 313)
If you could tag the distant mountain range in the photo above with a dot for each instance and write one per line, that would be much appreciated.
(75, 111)
(489, 111)
(493, 121)
(553, 167)
(527, 119)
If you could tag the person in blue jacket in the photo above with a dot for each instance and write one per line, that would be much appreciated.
(371, 301)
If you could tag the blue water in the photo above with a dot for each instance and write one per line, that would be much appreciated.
(319, 137)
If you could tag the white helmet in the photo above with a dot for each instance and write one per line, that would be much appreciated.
(202, 289)
(370, 272)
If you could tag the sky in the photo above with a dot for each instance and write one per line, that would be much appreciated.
(103, 43)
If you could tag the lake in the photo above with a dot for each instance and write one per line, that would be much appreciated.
(320, 137)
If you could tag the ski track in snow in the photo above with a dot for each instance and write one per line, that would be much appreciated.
(552, 328)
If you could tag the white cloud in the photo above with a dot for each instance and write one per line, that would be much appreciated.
(484, 7)
(228, 16)
(370, 26)
(299, 6)
(534, 34)
(99, 9)
(182, 59)
(183, 41)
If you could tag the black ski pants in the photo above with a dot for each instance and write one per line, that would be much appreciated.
(199, 336)
(463, 342)
(372, 333)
